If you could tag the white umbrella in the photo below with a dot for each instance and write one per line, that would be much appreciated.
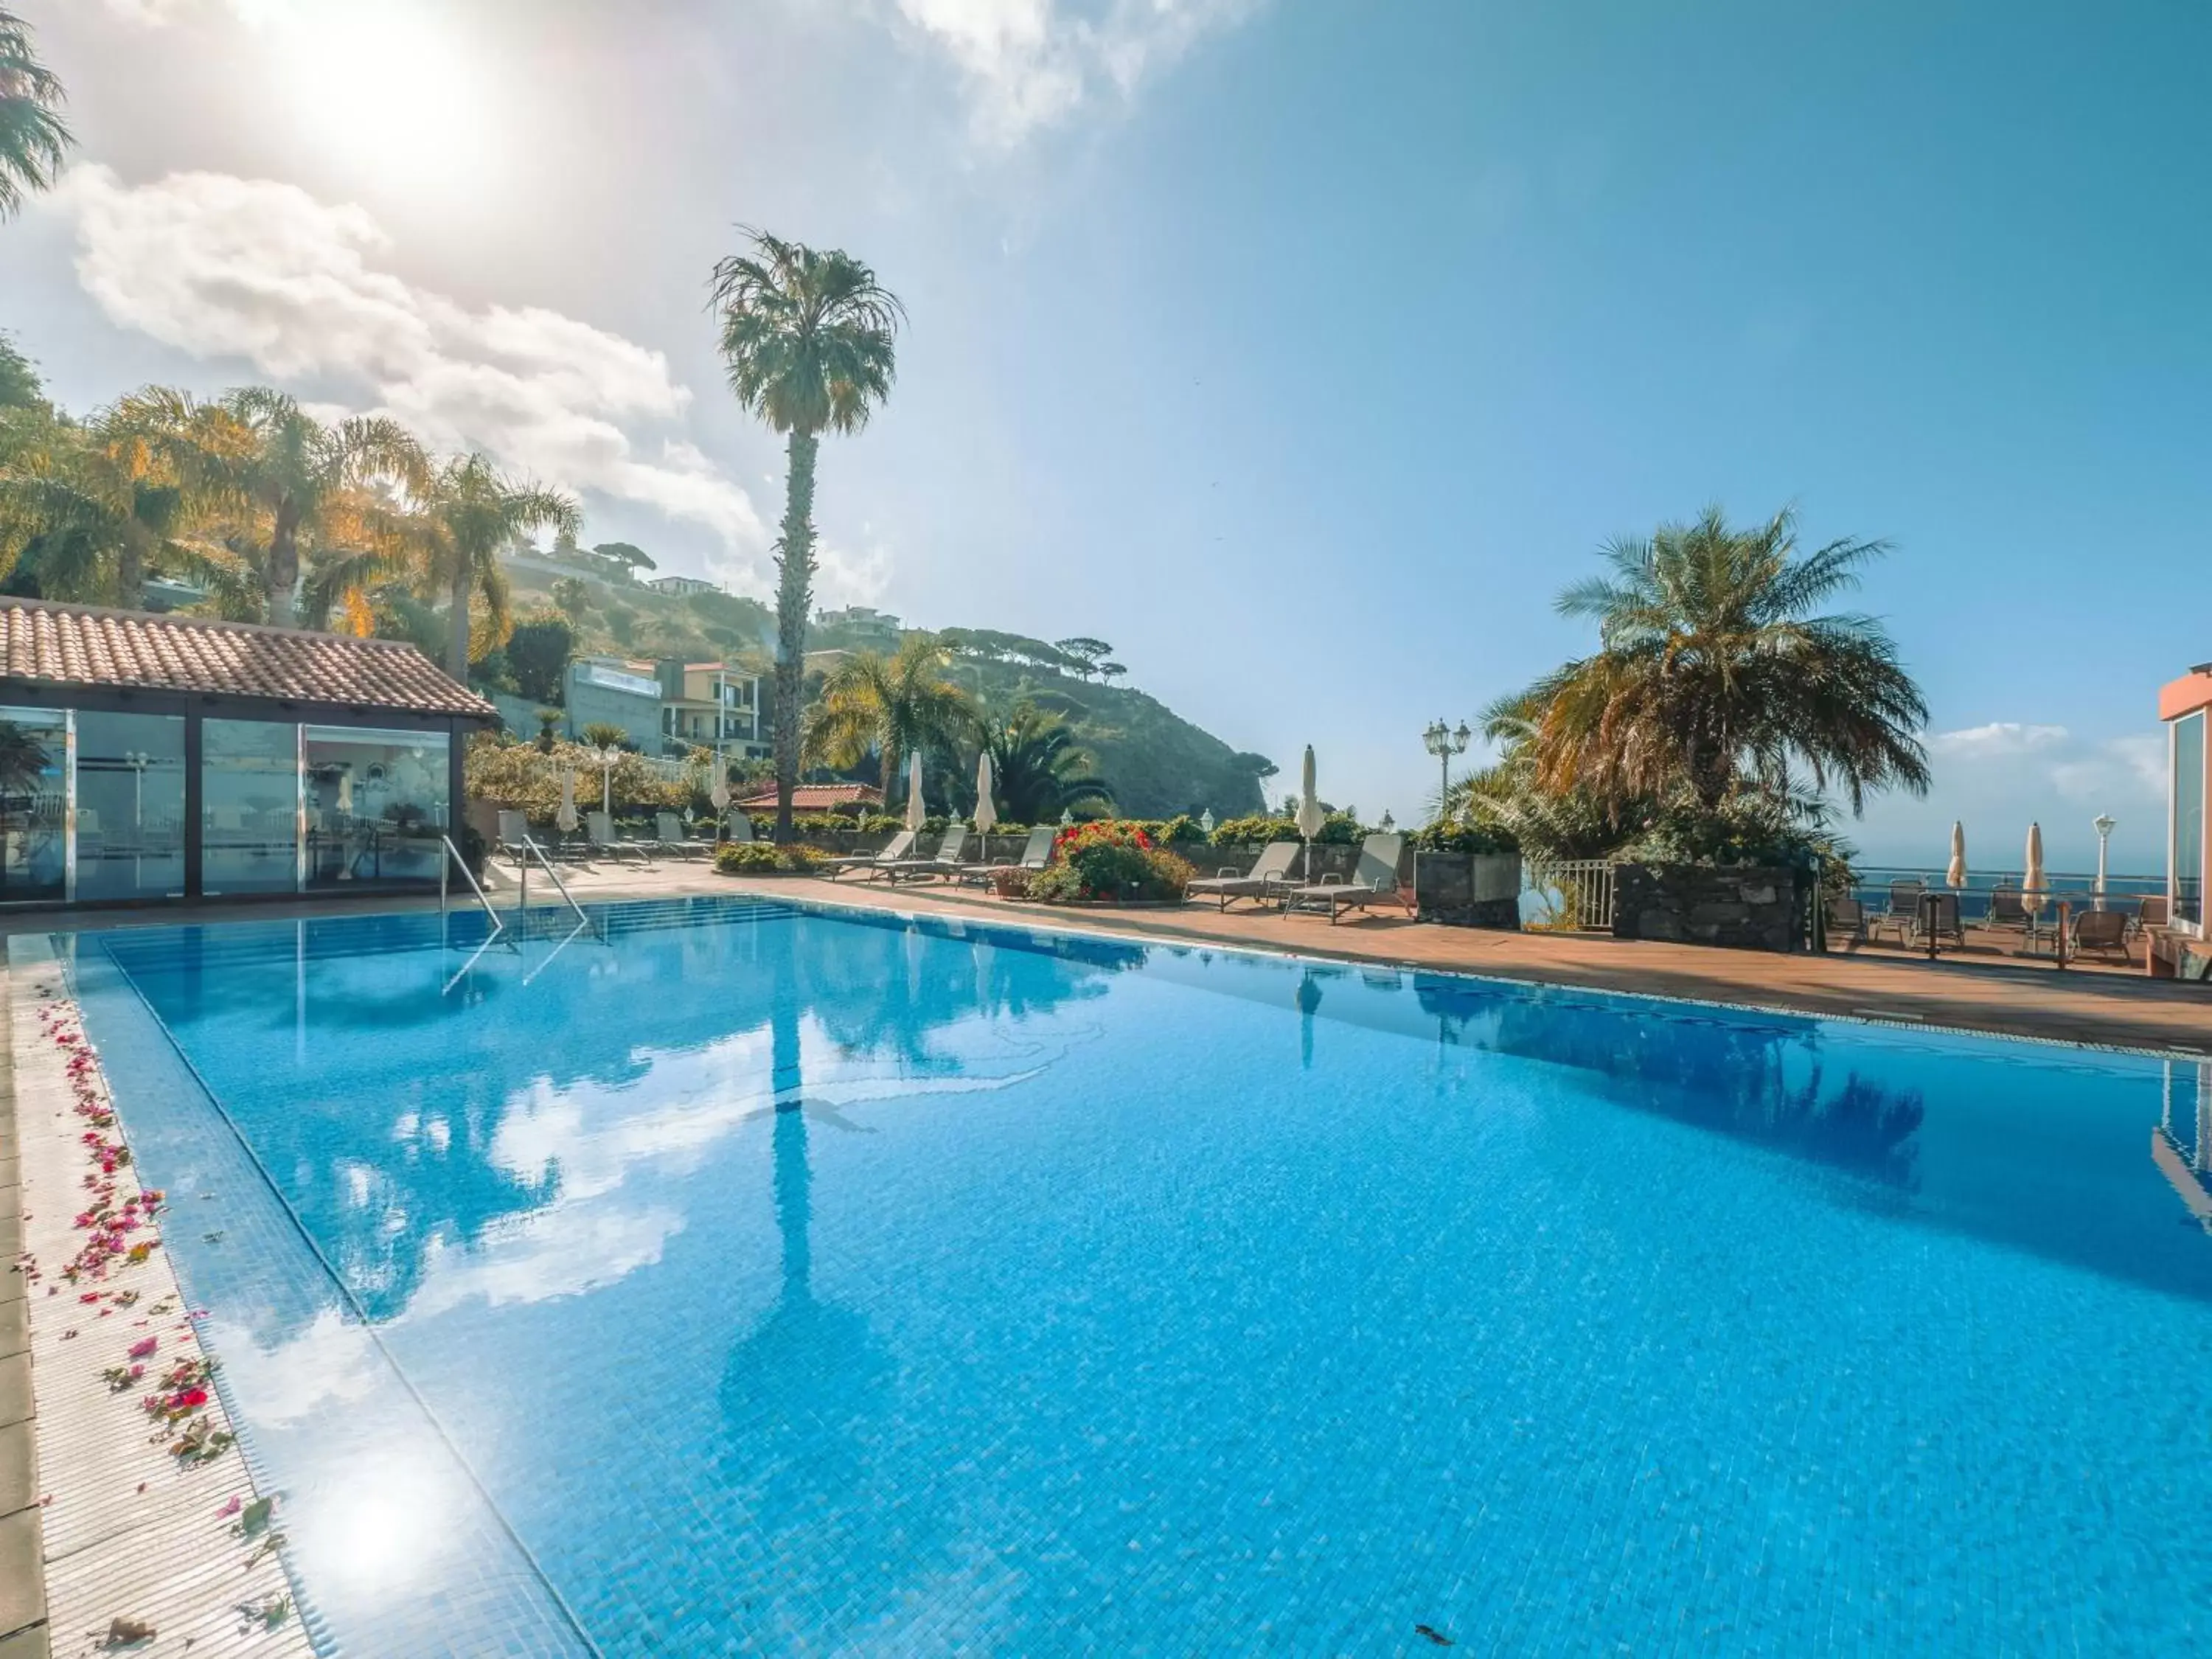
(2032, 879)
(915, 812)
(1955, 876)
(565, 819)
(986, 814)
(1309, 818)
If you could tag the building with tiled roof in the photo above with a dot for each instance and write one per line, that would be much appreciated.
(147, 757)
(818, 798)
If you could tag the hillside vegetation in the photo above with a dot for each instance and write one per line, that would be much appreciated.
(1158, 764)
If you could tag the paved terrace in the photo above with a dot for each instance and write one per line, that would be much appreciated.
(1983, 990)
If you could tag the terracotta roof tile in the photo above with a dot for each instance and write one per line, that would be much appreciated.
(818, 797)
(63, 645)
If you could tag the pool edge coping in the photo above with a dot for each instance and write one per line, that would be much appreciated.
(1286, 953)
(174, 1568)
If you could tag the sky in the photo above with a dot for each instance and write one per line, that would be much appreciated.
(1304, 351)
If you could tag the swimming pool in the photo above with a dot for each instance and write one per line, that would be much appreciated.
(771, 1280)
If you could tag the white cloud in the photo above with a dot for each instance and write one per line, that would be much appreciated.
(1030, 64)
(222, 266)
(1997, 737)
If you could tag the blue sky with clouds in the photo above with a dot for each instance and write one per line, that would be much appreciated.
(1303, 350)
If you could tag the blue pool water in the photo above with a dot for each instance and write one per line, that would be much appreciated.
(765, 1280)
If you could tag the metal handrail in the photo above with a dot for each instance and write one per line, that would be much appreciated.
(444, 877)
(498, 933)
(559, 886)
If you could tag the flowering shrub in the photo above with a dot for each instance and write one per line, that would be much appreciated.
(1338, 830)
(760, 858)
(522, 778)
(1109, 858)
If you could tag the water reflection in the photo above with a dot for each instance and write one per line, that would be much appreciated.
(2181, 1144)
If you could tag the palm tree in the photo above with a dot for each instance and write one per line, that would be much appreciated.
(1713, 674)
(1037, 770)
(893, 705)
(34, 141)
(470, 512)
(809, 340)
(288, 485)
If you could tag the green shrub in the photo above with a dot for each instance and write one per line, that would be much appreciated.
(1338, 830)
(759, 858)
(1461, 837)
(1110, 859)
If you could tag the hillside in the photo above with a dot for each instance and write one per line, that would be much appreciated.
(1157, 763)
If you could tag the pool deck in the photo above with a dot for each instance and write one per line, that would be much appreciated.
(1980, 990)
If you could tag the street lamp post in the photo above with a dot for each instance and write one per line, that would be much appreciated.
(607, 759)
(2103, 824)
(1443, 743)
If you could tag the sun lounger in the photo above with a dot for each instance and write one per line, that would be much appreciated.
(1268, 876)
(1846, 919)
(946, 864)
(1938, 920)
(1373, 881)
(1903, 911)
(673, 840)
(513, 831)
(899, 847)
(600, 837)
(2103, 930)
(1036, 853)
(737, 827)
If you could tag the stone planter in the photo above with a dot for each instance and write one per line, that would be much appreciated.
(1739, 906)
(1469, 890)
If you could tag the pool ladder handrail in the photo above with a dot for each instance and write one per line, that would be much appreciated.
(498, 933)
(533, 850)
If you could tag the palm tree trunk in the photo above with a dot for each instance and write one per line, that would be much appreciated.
(281, 580)
(794, 592)
(129, 574)
(457, 628)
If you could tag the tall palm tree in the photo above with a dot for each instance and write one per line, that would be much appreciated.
(470, 511)
(1713, 673)
(1037, 769)
(34, 141)
(808, 338)
(894, 705)
(289, 484)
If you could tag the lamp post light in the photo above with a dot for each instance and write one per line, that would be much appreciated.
(1443, 743)
(606, 760)
(2103, 824)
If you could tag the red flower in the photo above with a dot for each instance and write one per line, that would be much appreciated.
(140, 1350)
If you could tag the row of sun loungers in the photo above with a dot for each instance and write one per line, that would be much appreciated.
(598, 840)
(1373, 881)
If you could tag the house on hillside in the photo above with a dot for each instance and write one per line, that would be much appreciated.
(681, 587)
(147, 759)
(671, 707)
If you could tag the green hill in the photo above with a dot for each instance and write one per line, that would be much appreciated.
(1157, 763)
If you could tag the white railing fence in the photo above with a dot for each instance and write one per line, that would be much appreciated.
(1574, 894)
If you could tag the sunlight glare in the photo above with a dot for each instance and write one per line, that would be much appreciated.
(389, 86)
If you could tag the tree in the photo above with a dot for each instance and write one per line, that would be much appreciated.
(286, 485)
(1712, 675)
(893, 705)
(86, 511)
(603, 734)
(537, 654)
(809, 339)
(20, 386)
(1111, 672)
(573, 597)
(472, 511)
(34, 141)
(626, 559)
(1086, 652)
(1037, 769)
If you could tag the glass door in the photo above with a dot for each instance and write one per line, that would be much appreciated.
(35, 807)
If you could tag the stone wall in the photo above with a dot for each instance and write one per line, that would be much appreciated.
(1743, 907)
(1469, 890)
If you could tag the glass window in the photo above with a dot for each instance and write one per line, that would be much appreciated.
(249, 807)
(2188, 863)
(34, 805)
(130, 805)
(379, 805)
